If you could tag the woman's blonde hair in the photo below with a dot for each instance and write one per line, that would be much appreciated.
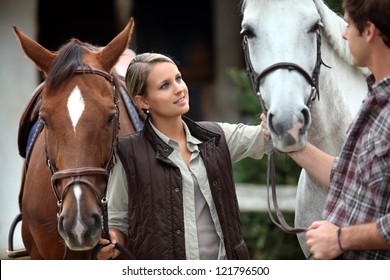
(138, 71)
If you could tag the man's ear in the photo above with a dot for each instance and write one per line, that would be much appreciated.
(141, 102)
(371, 31)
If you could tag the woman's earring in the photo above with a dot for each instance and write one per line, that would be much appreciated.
(147, 111)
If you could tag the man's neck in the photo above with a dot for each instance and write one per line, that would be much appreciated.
(380, 61)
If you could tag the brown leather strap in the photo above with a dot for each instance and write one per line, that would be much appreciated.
(76, 172)
(271, 174)
(86, 70)
(312, 80)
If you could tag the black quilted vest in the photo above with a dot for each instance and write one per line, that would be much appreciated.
(156, 222)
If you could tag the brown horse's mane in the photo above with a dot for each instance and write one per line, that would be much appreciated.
(69, 58)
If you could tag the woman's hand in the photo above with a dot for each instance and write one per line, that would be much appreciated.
(109, 251)
(264, 125)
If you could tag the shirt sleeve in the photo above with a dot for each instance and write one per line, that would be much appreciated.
(244, 141)
(117, 195)
(383, 223)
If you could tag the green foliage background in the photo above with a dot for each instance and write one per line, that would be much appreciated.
(265, 240)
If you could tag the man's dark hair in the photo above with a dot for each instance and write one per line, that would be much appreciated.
(376, 11)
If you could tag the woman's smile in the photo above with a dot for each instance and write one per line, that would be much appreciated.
(180, 100)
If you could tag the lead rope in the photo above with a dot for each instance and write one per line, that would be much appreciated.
(271, 175)
(105, 235)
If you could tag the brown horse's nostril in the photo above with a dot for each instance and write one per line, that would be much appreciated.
(61, 228)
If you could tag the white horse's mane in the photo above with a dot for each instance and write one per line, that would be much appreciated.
(333, 29)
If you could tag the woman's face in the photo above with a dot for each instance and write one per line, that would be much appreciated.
(167, 93)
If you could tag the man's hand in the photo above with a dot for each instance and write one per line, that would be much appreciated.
(321, 239)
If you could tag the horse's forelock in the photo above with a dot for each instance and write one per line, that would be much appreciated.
(69, 58)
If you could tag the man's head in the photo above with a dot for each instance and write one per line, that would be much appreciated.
(375, 11)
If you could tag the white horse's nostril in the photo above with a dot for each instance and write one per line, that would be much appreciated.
(306, 120)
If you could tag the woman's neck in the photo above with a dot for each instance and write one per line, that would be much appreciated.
(172, 128)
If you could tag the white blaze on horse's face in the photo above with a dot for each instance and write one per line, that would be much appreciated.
(79, 226)
(283, 31)
(76, 106)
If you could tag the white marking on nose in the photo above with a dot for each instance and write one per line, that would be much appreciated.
(79, 228)
(76, 106)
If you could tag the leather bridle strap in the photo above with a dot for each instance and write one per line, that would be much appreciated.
(86, 70)
(271, 175)
(255, 80)
(75, 174)
(285, 65)
(312, 80)
(250, 71)
(82, 171)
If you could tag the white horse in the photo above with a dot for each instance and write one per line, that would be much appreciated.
(289, 31)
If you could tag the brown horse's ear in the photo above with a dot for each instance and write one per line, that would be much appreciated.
(42, 57)
(111, 53)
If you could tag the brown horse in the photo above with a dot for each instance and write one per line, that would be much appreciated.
(79, 104)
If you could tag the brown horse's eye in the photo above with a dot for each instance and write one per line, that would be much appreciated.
(44, 121)
(111, 119)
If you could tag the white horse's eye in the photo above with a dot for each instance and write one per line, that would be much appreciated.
(246, 31)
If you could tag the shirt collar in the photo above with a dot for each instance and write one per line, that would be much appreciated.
(190, 139)
(381, 89)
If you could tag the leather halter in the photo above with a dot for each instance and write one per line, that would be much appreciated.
(76, 174)
(311, 79)
(255, 80)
